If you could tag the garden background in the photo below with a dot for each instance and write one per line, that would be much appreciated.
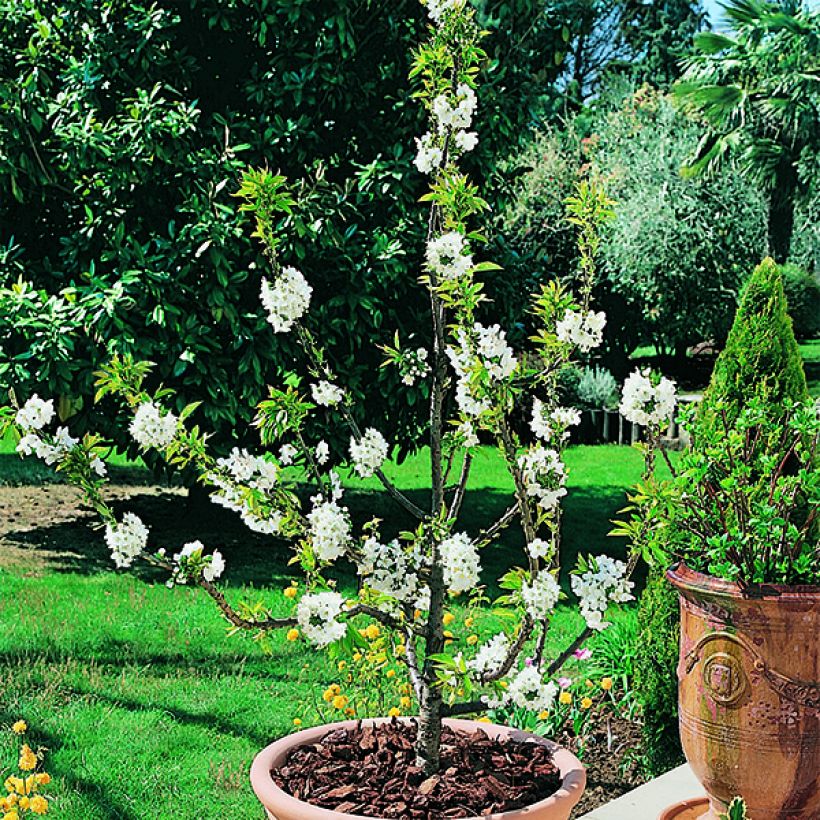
(124, 128)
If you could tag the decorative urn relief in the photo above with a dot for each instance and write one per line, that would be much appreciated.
(749, 691)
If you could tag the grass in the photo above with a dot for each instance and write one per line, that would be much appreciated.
(147, 709)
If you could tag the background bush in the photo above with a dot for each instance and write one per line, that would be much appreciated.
(802, 291)
(125, 127)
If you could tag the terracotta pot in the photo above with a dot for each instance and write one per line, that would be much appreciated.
(281, 806)
(749, 694)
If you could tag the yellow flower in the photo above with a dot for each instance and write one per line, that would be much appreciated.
(372, 632)
(472, 640)
(447, 634)
(297, 721)
(565, 697)
(469, 622)
(400, 649)
(293, 634)
(448, 618)
(290, 592)
(28, 760)
(335, 688)
(394, 712)
(405, 702)
(543, 715)
(357, 656)
(31, 784)
(43, 778)
(503, 684)
(39, 805)
(14, 784)
(19, 727)
(328, 695)
(483, 719)
(390, 673)
(606, 684)
(416, 614)
(350, 712)
(12, 815)
(589, 683)
(24, 803)
(341, 666)
(340, 701)
(586, 703)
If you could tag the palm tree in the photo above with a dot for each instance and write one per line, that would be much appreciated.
(756, 91)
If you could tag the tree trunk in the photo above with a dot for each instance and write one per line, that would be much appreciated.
(781, 212)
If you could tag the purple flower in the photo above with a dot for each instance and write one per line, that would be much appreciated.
(565, 683)
(528, 661)
(583, 654)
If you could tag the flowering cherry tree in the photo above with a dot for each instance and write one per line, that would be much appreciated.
(475, 382)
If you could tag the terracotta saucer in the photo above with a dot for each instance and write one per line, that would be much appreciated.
(697, 808)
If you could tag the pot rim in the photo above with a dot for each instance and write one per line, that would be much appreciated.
(685, 579)
(573, 774)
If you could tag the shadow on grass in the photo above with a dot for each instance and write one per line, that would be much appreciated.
(77, 546)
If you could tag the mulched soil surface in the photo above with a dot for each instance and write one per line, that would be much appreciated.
(370, 771)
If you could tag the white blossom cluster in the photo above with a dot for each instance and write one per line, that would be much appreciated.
(35, 414)
(492, 353)
(438, 8)
(212, 566)
(453, 115)
(326, 393)
(322, 452)
(329, 529)
(287, 452)
(414, 366)
(527, 690)
(150, 427)
(545, 424)
(236, 473)
(645, 403)
(595, 588)
(369, 452)
(584, 329)
(127, 539)
(460, 561)
(541, 596)
(539, 548)
(544, 475)
(467, 434)
(392, 570)
(490, 657)
(317, 615)
(448, 256)
(286, 300)
(54, 451)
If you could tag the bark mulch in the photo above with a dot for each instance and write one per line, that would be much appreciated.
(370, 771)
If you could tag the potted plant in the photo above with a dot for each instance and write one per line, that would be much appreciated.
(597, 392)
(739, 515)
(430, 765)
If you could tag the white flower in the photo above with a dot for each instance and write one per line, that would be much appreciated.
(539, 548)
(466, 140)
(460, 561)
(527, 690)
(50, 453)
(369, 452)
(212, 570)
(429, 155)
(322, 452)
(468, 435)
(326, 393)
(126, 540)
(585, 330)
(438, 8)
(539, 422)
(329, 529)
(389, 569)
(98, 466)
(545, 476)
(151, 428)
(595, 588)
(645, 403)
(490, 657)
(566, 416)
(448, 255)
(458, 116)
(541, 596)
(287, 452)
(317, 614)
(286, 300)
(35, 414)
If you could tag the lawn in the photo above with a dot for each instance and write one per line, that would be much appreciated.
(146, 707)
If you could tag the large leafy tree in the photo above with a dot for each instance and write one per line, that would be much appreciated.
(125, 127)
(756, 91)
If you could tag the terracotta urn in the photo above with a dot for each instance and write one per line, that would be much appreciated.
(282, 806)
(749, 694)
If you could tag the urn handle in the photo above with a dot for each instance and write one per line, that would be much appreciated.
(803, 693)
